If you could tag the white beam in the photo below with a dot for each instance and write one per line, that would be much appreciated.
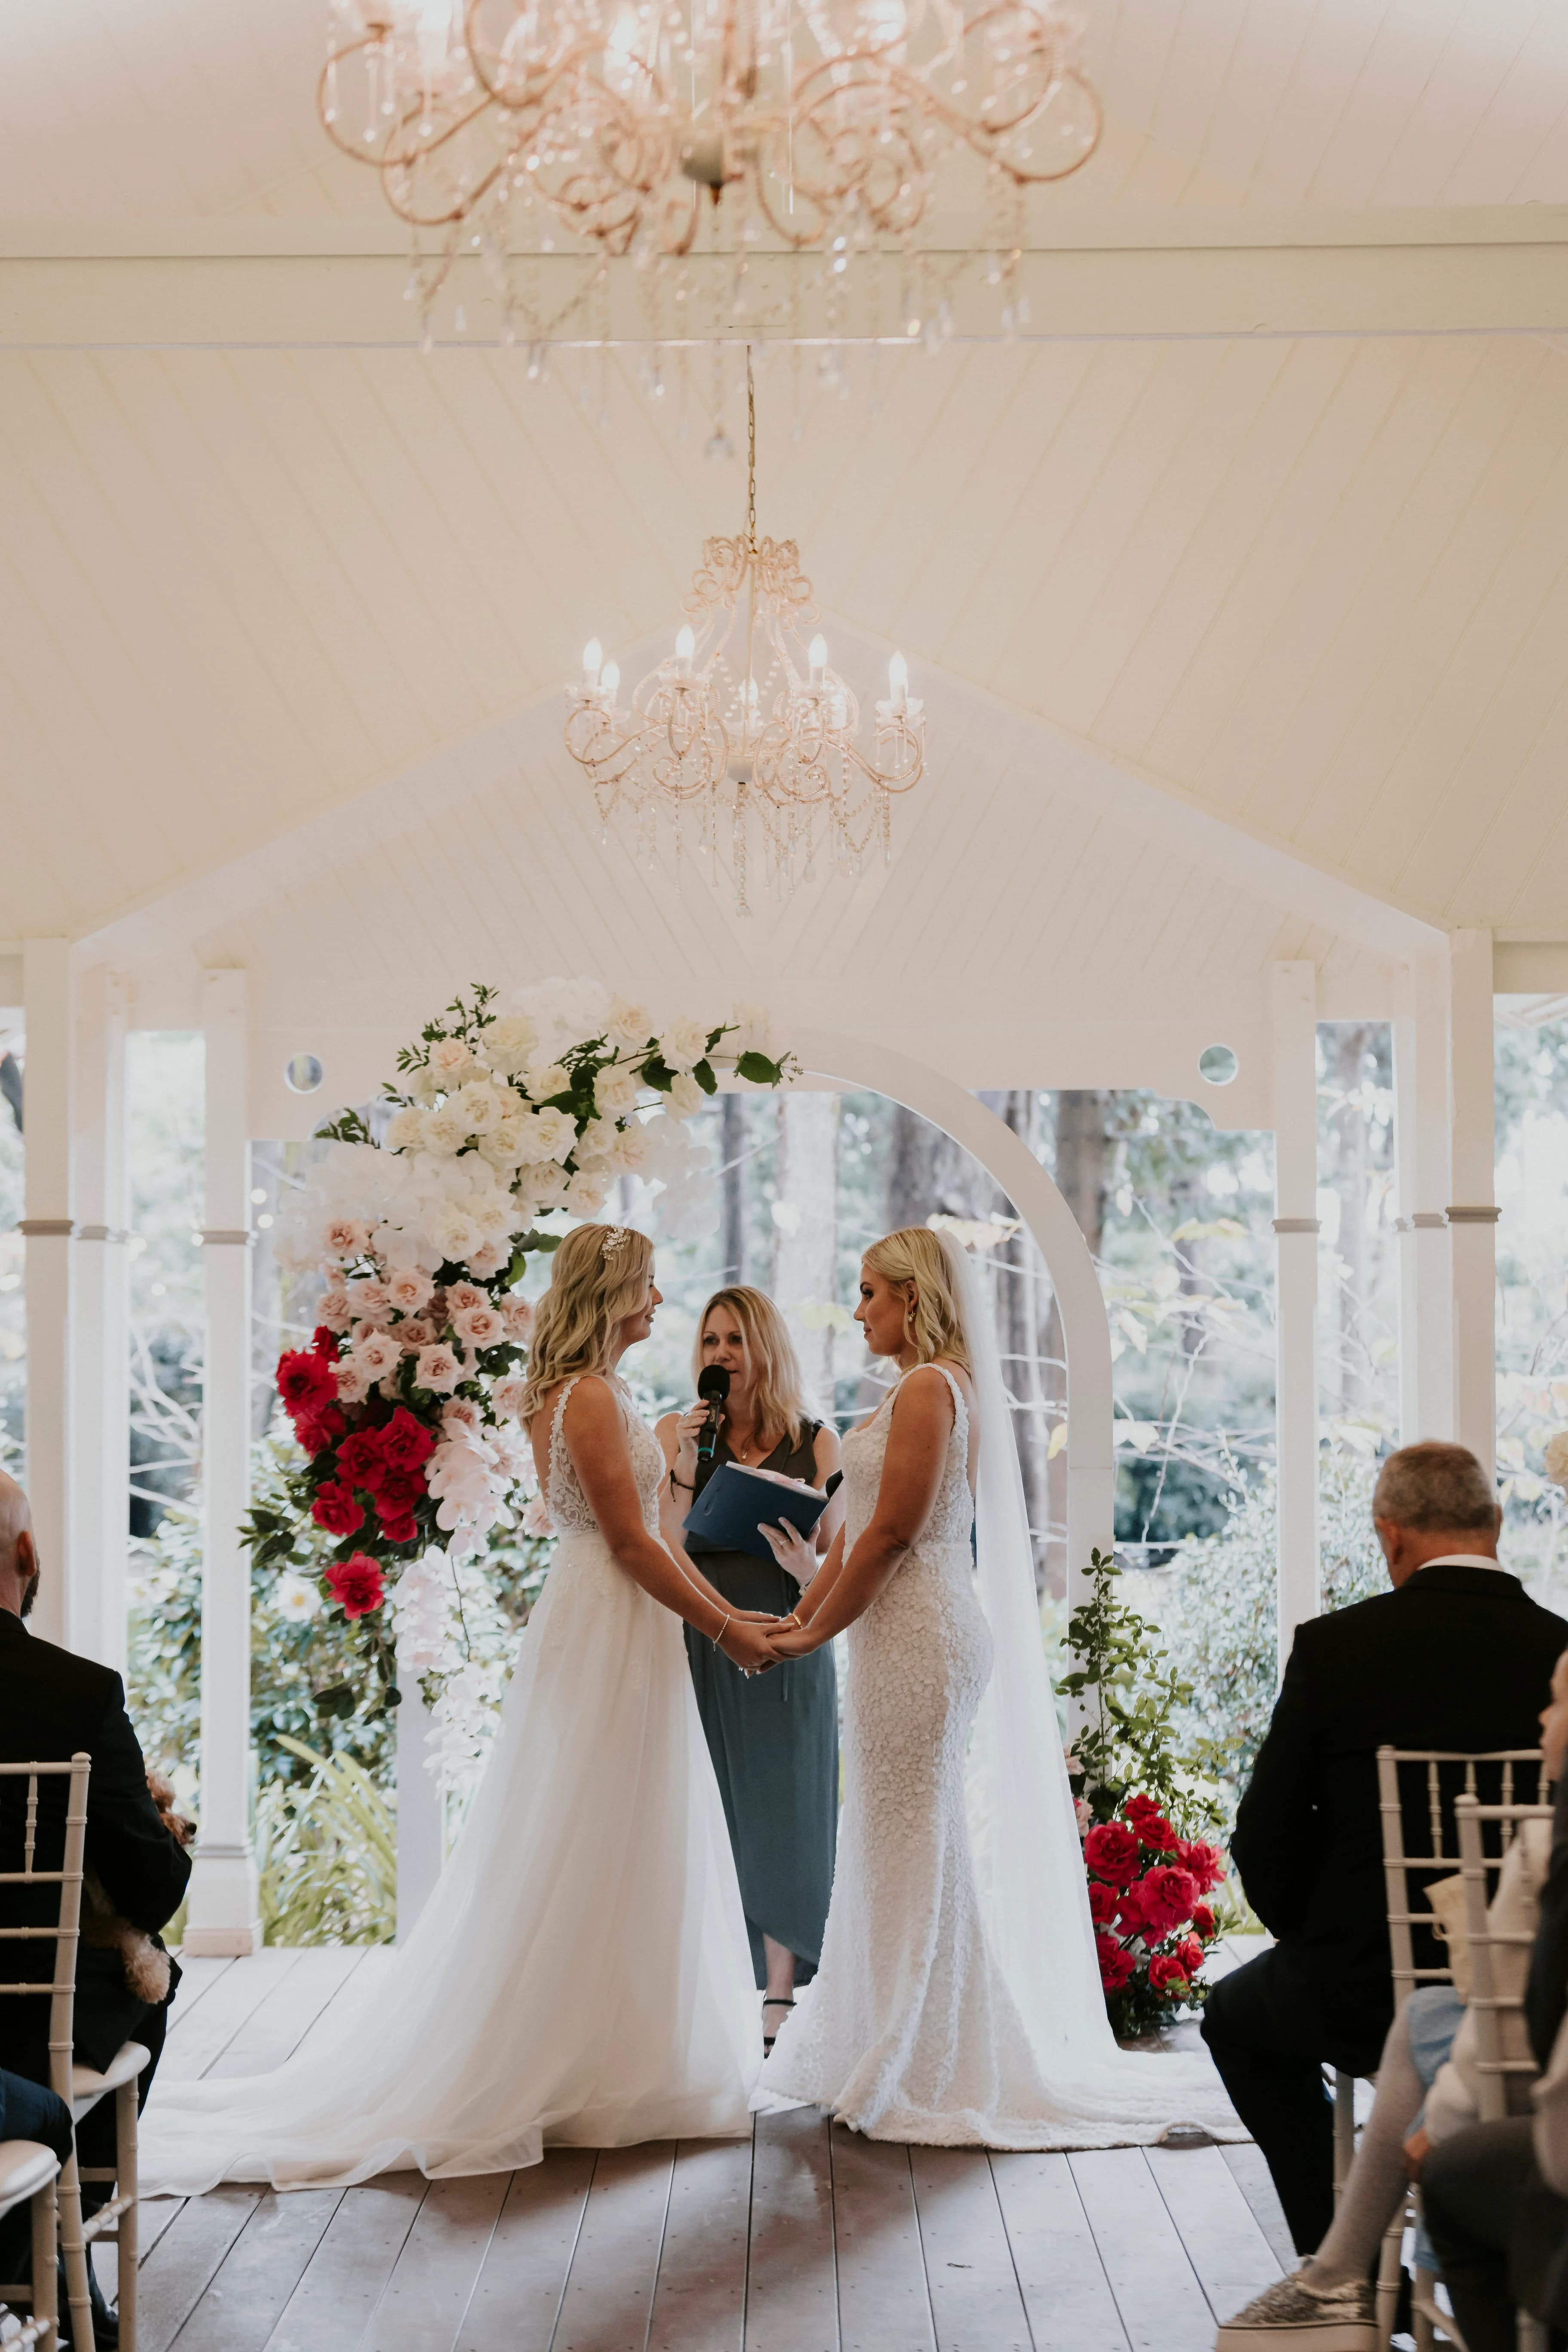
(95, 1586)
(224, 1911)
(1294, 1009)
(1088, 273)
(1473, 1211)
(47, 1226)
(1421, 1154)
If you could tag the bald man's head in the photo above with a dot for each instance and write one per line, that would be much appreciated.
(18, 1561)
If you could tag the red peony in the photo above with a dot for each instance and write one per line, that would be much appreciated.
(1206, 1862)
(1102, 1904)
(1167, 1893)
(361, 1462)
(1190, 1953)
(325, 1343)
(1166, 1974)
(305, 1381)
(1115, 1964)
(1203, 1919)
(335, 1509)
(406, 1442)
(1111, 1852)
(316, 1432)
(356, 1584)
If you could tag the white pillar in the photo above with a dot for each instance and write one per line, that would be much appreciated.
(1295, 1007)
(1420, 1142)
(95, 1584)
(1473, 1213)
(47, 1227)
(225, 1908)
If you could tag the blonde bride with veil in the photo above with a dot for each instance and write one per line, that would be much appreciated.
(958, 2000)
(583, 1975)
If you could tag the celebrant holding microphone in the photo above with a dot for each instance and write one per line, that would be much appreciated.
(773, 1738)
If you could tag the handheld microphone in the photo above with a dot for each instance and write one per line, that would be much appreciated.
(712, 1387)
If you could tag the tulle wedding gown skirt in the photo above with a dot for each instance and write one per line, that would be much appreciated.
(582, 1975)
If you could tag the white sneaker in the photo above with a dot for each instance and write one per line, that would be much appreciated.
(1318, 2319)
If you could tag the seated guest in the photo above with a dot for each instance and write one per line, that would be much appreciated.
(1428, 2090)
(53, 1706)
(1456, 1656)
(27, 2111)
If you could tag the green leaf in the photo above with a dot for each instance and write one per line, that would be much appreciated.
(758, 1069)
(656, 1072)
(703, 1074)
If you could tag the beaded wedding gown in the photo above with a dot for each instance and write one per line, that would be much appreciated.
(958, 2000)
(583, 1975)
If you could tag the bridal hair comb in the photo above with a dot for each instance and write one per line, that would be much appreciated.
(615, 1239)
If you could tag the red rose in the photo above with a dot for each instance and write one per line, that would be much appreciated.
(406, 1442)
(1102, 1904)
(1115, 1964)
(325, 1343)
(398, 1527)
(1166, 1974)
(361, 1462)
(399, 1491)
(356, 1584)
(1206, 1862)
(1190, 1953)
(316, 1432)
(1203, 1919)
(1156, 1832)
(1141, 1808)
(1131, 1916)
(1168, 1895)
(305, 1381)
(1111, 1852)
(335, 1509)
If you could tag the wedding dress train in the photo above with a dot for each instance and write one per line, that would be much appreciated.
(958, 1999)
(582, 1976)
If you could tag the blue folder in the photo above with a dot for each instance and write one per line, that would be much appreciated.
(732, 1507)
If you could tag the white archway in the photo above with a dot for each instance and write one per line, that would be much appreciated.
(1085, 1330)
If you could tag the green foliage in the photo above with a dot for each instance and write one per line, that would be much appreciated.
(1127, 1745)
(326, 1847)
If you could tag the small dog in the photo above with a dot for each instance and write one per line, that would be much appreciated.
(146, 1964)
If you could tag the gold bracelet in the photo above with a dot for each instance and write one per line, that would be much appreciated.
(717, 1637)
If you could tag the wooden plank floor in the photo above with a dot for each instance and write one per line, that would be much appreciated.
(805, 2239)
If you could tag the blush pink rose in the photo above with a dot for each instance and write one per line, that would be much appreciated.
(479, 1327)
(437, 1368)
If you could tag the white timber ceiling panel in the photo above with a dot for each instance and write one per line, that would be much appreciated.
(1314, 588)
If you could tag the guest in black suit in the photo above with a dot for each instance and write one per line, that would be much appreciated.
(27, 2111)
(54, 1705)
(1456, 1656)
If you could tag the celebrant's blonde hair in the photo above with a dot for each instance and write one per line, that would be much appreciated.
(600, 1275)
(913, 1259)
(778, 1389)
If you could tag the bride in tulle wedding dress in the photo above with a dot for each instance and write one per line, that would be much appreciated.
(958, 2000)
(583, 1975)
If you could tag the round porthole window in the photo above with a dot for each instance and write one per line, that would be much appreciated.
(303, 1074)
(1218, 1065)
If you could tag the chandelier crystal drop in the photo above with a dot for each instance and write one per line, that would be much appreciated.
(744, 733)
(669, 129)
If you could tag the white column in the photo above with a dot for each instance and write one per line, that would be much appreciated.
(1421, 1142)
(421, 1844)
(95, 1584)
(1296, 1290)
(1473, 1211)
(47, 1226)
(224, 1911)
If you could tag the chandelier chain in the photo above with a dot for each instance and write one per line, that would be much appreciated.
(751, 456)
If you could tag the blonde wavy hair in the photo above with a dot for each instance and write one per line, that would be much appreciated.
(913, 1259)
(600, 1275)
(777, 1387)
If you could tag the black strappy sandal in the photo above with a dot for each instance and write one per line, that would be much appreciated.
(773, 2000)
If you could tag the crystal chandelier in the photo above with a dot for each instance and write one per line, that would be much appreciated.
(666, 128)
(744, 730)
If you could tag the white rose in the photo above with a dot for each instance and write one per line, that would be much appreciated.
(454, 1235)
(500, 1150)
(548, 1184)
(451, 1061)
(490, 1258)
(543, 1079)
(585, 1196)
(630, 1023)
(480, 1106)
(443, 1130)
(509, 1041)
(554, 1133)
(684, 1043)
(596, 1141)
(754, 1030)
(423, 1084)
(495, 1216)
(631, 1151)
(615, 1092)
(530, 1146)
(405, 1129)
(686, 1097)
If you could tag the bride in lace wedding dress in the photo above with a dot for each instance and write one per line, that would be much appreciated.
(958, 2000)
(583, 1975)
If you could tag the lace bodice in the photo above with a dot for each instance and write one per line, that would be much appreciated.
(569, 1510)
(865, 1450)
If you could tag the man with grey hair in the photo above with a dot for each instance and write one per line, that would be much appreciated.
(54, 1705)
(1456, 1656)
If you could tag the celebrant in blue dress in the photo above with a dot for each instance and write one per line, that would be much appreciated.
(773, 1738)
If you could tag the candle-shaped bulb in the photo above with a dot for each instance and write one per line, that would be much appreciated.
(593, 656)
(685, 646)
(610, 678)
(817, 654)
(897, 682)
